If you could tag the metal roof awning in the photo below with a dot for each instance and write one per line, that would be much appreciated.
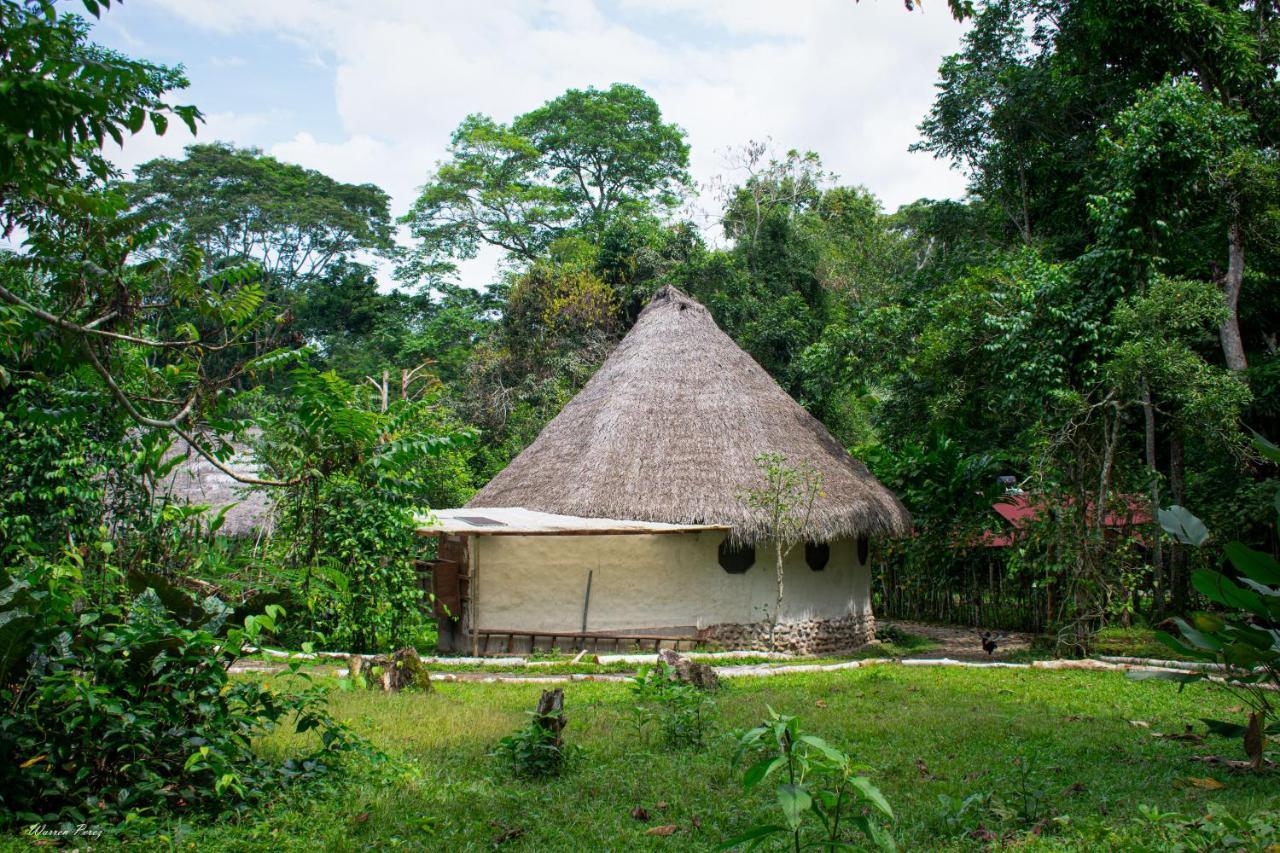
(518, 521)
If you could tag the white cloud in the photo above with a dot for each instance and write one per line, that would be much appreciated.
(848, 80)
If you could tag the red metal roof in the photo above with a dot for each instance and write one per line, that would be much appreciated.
(1018, 510)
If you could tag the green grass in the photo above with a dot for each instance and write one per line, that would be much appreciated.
(1086, 763)
(1131, 642)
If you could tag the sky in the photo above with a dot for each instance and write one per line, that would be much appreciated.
(370, 91)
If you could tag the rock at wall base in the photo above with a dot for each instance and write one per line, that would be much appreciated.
(803, 637)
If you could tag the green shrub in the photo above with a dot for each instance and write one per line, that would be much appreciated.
(1023, 802)
(1215, 830)
(128, 712)
(1240, 635)
(683, 713)
(345, 532)
(534, 752)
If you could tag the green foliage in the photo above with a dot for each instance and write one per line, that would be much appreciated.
(127, 712)
(785, 497)
(1241, 635)
(1179, 166)
(608, 151)
(1024, 802)
(684, 713)
(574, 164)
(1216, 830)
(346, 521)
(62, 97)
(243, 205)
(534, 752)
(820, 787)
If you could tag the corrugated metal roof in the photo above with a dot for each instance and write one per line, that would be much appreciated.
(518, 521)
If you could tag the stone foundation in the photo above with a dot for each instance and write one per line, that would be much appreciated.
(807, 637)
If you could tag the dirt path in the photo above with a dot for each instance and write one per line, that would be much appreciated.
(961, 643)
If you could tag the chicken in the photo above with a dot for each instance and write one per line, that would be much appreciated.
(991, 641)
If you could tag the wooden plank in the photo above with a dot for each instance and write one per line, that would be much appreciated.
(446, 584)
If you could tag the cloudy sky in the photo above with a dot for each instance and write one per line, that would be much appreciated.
(370, 91)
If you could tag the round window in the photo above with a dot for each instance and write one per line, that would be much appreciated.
(817, 555)
(736, 559)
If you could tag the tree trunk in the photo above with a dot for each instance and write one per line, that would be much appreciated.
(1157, 554)
(777, 605)
(1229, 332)
(1178, 589)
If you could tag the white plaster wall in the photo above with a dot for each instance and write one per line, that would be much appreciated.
(537, 583)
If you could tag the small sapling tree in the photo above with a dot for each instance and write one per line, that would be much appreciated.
(785, 501)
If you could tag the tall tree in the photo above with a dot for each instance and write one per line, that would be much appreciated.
(574, 164)
(239, 205)
(609, 151)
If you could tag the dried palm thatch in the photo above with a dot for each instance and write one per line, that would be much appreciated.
(668, 430)
(196, 481)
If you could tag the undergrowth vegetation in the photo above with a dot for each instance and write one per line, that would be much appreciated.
(1047, 760)
(681, 714)
(123, 714)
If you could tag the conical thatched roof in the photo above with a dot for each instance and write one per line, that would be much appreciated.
(668, 430)
(195, 481)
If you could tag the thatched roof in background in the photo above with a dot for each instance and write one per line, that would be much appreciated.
(196, 481)
(668, 430)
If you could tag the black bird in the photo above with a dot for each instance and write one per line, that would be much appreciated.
(991, 641)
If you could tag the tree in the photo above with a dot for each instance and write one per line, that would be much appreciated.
(786, 501)
(356, 472)
(137, 348)
(1024, 106)
(63, 97)
(78, 299)
(609, 151)
(241, 205)
(574, 164)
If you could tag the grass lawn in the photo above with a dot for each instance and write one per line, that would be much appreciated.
(1131, 642)
(930, 733)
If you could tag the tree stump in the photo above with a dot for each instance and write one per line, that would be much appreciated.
(682, 669)
(550, 713)
(393, 673)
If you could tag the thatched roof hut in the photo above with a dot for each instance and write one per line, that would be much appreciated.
(196, 481)
(668, 430)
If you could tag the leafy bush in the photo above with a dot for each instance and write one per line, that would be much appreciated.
(346, 529)
(683, 712)
(534, 752)
(127, 712)
(1243, 637)
(819, 782)
(1214, 831)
